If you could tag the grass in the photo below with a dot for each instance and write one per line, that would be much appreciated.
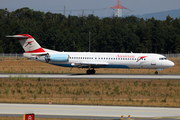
(24, 65)
(127, 92)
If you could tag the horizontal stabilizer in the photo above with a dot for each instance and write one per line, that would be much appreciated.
(17, 36)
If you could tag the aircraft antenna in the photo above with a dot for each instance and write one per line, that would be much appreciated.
(118, 7)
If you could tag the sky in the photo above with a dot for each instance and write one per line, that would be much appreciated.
(99, 8)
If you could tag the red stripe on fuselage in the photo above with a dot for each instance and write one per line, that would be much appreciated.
(36, 51)
(141, 58)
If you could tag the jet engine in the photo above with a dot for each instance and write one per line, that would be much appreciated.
(57, 58)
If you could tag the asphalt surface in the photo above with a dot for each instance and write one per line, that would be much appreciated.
(88, 112)
(92, 76)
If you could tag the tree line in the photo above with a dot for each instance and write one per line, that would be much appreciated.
(71, 33)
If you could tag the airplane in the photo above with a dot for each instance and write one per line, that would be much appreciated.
(92, 60)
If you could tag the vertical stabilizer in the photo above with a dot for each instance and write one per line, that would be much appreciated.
(28, 43)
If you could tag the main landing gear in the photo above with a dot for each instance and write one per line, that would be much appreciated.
(90, 71)
(156, 73)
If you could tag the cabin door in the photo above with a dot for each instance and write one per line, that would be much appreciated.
(153, 61)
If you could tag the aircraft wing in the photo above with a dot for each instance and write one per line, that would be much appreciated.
(81, 64)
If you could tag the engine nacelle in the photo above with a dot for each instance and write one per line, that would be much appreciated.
(57, 58)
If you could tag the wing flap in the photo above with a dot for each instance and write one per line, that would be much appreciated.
(81, 64)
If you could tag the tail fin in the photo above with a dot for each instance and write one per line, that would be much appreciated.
(28, 43)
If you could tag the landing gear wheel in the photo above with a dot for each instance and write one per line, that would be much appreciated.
(156, 73)
(93, 71)
(90, 71)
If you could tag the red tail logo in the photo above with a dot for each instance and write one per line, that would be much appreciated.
(29, 43)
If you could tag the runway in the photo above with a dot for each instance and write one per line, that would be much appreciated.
(92, 76)
(84, 111)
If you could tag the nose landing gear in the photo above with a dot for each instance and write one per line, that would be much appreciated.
(156, 73)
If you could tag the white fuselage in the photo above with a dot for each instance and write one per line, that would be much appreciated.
(92, 60)
(109, 60)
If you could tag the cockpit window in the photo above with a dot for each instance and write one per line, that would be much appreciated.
(162, 58)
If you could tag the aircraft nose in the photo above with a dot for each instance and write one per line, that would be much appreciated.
(167, 64)
(170, 64)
